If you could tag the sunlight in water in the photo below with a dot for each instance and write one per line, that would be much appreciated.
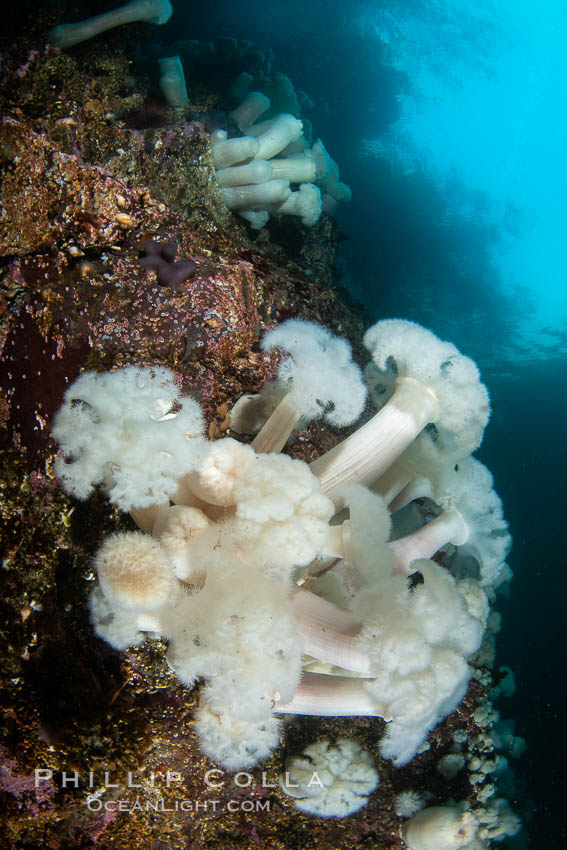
(487, 106)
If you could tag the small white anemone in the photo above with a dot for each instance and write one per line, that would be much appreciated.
(135, 572)
(235, 740)
(317, 378)
(137, 587)
(439, 828)
(130, 431)
(330, 779)
(407, 803)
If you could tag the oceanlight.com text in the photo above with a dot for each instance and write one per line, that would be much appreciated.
(95, 804)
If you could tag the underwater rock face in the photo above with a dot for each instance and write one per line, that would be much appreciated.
(82, 193)
(52, 198)
(75, 296)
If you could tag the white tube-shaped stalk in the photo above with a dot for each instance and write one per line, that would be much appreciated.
(279, 426)
(67, 35)
(254, 104)
(257, 129)
(280, 132)
(449, 527)
(393, 481)
(257, 171)
(366, 455)
(331, 696)
(227, 152)
(418, 488)
(328, 632)
(334, 547)
(296, 169)
(257, 195)
(172, 81)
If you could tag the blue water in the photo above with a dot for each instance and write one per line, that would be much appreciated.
(448, 122)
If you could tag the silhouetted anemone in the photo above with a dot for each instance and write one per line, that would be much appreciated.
(159, 257)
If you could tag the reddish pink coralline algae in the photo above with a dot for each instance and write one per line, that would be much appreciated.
(35, 796)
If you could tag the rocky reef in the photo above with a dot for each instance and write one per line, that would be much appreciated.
(98, 747)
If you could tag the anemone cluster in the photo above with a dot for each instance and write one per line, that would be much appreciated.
(258, 170)
(290, 588)
(271, 168)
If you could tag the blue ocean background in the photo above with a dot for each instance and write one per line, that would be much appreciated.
(448, 122)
